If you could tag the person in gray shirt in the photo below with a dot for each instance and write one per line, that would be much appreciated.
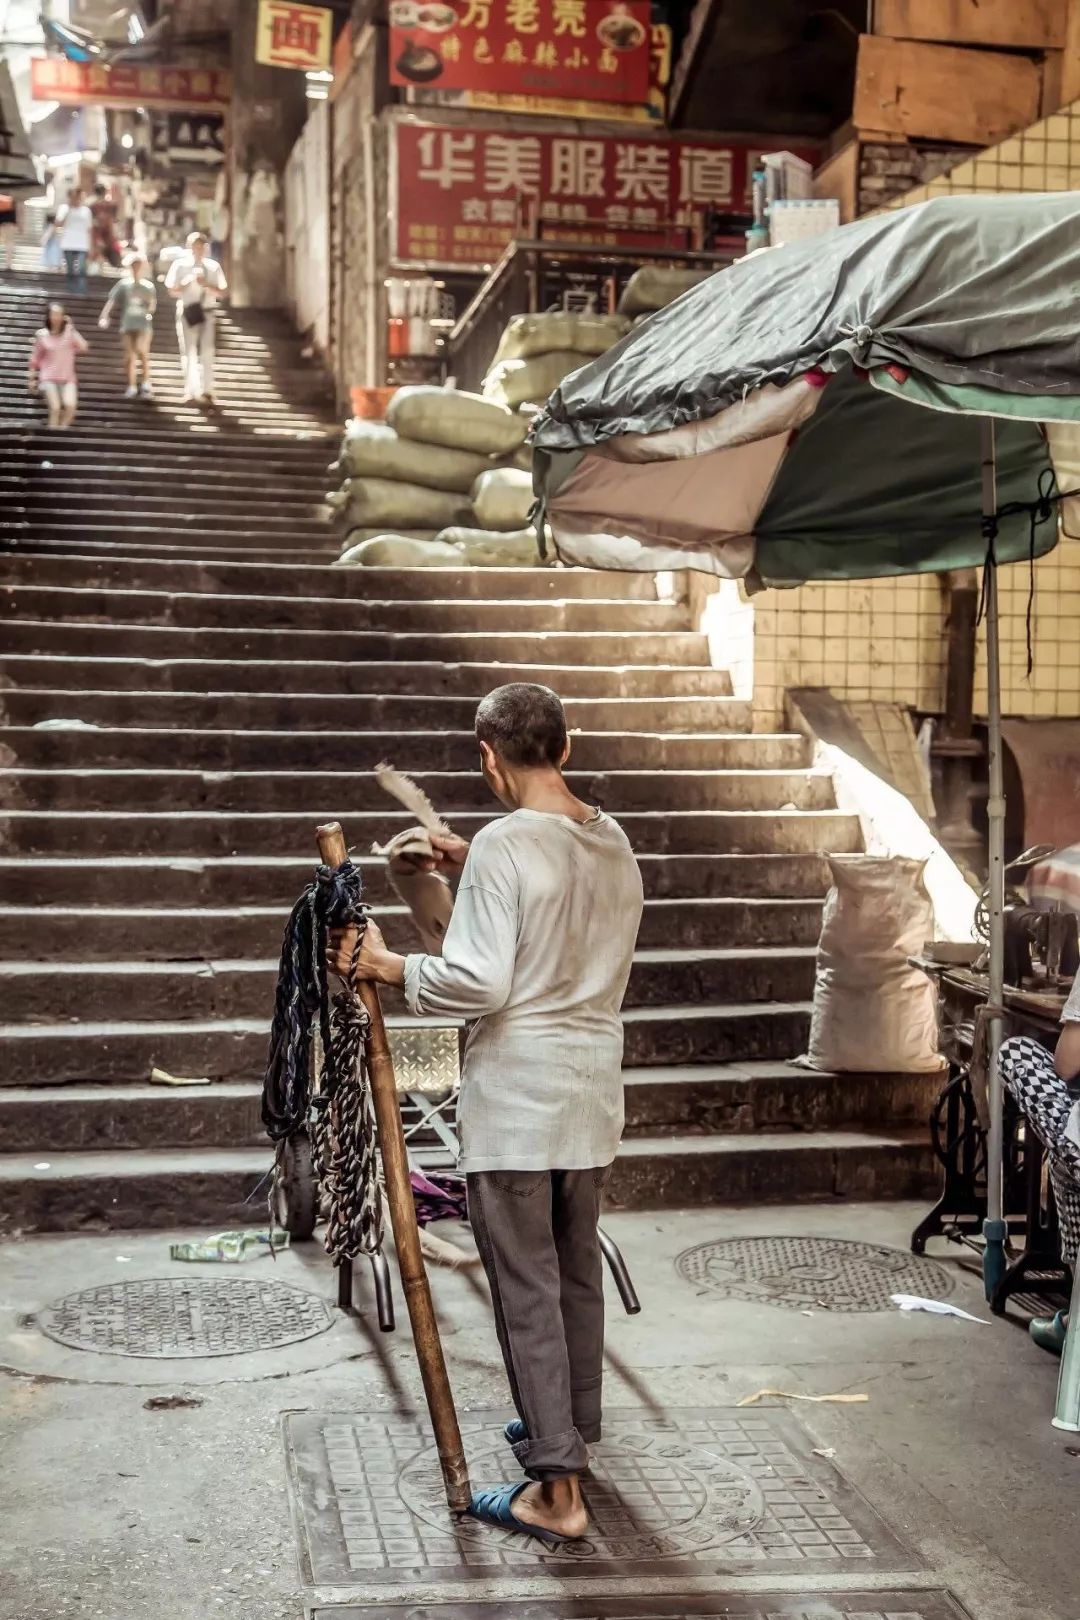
(536, 957)
(134, 298)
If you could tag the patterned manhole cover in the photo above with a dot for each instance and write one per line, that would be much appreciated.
(178, 1316)
(818, 1605)
(800, 1273)
(711, 1492)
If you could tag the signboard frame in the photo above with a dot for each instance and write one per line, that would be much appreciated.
(742, 147)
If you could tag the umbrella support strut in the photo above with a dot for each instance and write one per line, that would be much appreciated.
(995, 1229)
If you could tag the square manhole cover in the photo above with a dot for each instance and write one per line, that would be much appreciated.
(698, 1492)
(717, 1606)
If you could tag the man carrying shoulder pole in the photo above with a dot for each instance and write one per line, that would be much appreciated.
(536, 956)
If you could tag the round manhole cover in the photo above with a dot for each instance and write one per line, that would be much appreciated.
(804, 1273)
(175, 1316)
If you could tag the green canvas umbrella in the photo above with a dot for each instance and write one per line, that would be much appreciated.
(899, 396)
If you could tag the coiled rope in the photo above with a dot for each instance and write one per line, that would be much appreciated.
(338, 1112)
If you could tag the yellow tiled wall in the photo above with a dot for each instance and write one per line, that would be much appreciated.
(886, 638)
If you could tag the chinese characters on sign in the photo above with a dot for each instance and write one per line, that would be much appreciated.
(87, 84)
(459, 190)
(592, 49)
(293, 36)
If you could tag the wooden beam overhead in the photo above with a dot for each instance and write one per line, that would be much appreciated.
(1032, 25)
(943, 92)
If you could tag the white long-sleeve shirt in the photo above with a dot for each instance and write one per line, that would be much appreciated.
(538, 952)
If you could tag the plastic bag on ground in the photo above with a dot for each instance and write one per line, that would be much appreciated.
(529, 382)
(528, 335)
(383, 502)
(873, 1012)
(374, 450)
(459, 420)
(503, 498)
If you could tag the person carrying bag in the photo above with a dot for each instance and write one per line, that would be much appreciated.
(196, 281)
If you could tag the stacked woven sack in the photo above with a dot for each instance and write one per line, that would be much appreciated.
(655, 286)
(444, 482)
(536, 352)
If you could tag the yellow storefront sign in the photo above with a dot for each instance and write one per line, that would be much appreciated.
(293, 36)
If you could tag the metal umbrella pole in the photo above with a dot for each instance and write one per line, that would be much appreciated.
(995, 1230)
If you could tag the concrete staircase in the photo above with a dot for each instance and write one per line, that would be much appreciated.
(165, 589)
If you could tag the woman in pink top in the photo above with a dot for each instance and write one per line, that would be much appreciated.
(57, 347)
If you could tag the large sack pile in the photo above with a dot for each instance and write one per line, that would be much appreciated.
(536, 352)
(441, 483)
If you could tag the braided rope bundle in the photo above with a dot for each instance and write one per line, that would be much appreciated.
(338, 1114)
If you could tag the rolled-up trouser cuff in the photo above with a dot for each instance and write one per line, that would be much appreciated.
(553, 1456)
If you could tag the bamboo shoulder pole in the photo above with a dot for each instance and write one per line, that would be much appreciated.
(414, 1282)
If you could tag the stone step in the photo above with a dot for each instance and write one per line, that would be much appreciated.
(235, 1048)
(363, 750)
(195, 833)
(389, 584)
(244, 988)
(663, 652)
(255, 538)
(182, 452)
(282, 711)
(169, 1187)
(715, 1099)
(157, 932)
(49, 512)
(195, 610)
(75, 544)
(658, 1172)
(141, 883)
(617, 791)
(36, 483)
(385, 661)
(734, 1098)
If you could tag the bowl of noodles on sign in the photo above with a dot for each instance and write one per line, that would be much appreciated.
(620, 31)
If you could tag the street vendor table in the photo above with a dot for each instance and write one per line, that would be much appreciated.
(959, 1124)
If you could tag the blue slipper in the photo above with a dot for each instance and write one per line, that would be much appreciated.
(495, 1506)
(515, 1432)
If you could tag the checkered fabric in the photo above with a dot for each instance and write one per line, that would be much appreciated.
(1043, 1098)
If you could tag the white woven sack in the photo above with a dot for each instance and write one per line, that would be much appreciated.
(873, 1012)
(655, 286)
(374, 450)
(503, 498)
(384, 503)
(461, 421)
(529, 382)
(399, 551)
(528, 335)
(493, 548)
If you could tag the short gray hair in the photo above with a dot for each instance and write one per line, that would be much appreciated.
(524, 724)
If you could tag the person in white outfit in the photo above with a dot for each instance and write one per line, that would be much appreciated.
(197, 282)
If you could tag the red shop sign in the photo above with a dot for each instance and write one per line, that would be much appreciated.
(596, 50)
(457, 191)
(123, 84)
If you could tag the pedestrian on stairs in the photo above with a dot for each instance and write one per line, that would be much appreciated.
(57, 347)
(536, 956)
(76, 224)
(196, 281)
(134, 296)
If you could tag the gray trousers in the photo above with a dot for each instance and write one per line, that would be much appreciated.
(536, 1233)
